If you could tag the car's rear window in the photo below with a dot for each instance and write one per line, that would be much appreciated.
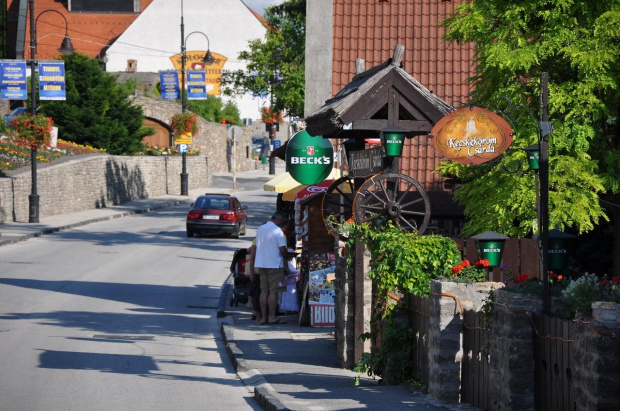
(214, 203)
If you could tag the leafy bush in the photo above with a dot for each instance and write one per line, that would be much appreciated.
(576, 295)
(405, 262)
(581, 293)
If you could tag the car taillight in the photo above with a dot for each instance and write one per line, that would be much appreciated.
(228, 217)
(194, 215)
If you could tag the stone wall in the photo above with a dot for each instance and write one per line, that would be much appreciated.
(212, 138)
(99, 180)
(512, 367)
(95, 181)
(596, 364)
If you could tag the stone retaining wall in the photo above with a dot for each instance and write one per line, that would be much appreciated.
(96, 181)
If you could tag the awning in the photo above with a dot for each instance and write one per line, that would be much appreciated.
(284, 182)
(303, 191)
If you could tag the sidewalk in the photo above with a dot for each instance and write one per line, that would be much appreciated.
(287, 366)
(295, 368)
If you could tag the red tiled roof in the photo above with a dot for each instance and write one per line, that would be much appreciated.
(90, 33)
(371, 29)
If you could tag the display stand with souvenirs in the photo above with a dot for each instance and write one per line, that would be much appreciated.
(318, 264)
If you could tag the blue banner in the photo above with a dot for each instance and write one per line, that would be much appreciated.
(169, 85)
(52, 80)
(196, 85)
(13, 81)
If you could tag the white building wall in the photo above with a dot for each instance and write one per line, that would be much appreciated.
(155, 36)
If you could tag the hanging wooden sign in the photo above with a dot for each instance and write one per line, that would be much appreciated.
(471, 135)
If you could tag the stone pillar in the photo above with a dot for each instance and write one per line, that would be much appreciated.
(596, 365)
(344, 310)
(512, 366)
(353, 306)
(446, 334)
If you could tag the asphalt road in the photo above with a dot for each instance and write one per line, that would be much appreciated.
(120, 315)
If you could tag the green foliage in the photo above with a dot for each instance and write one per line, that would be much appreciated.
(406, 262)
(400, 263)
(581, 293)
(577, 42)
(276, 64)
(214, 110)
(97, 111)
(392, 359)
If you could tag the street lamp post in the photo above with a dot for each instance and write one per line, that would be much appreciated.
(208, 60)
(66, 48)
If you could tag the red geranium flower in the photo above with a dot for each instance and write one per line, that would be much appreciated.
(482, 263)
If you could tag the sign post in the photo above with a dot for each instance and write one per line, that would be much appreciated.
(233, 133)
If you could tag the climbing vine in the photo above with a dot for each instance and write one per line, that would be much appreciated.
(400, 263)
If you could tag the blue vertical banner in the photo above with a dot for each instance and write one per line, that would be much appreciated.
(196, 85)
(52, 84)
(169, 85)
(13, 81)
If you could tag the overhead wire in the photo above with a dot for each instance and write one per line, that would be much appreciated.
(69, 30)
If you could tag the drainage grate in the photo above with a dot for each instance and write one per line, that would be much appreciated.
(123, 337)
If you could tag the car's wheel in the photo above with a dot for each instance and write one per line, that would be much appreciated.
(244, 228)
(190, 234)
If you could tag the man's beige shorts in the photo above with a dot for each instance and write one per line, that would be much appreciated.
(271, 279)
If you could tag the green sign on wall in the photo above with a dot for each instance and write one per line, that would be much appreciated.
(309, 159)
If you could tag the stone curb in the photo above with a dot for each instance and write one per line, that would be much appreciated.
(264, 393)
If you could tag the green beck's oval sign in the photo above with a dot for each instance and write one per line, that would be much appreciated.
(309, 159)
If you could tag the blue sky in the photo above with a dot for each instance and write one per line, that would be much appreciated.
(259, 5)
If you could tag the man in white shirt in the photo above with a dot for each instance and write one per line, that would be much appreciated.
(271, 253)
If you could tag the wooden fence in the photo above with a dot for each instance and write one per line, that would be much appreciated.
(552, 347)
(419, 322)
(475, 363)
(553, 352)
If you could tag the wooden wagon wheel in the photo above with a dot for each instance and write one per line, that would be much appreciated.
(393, 196)
(337, 205)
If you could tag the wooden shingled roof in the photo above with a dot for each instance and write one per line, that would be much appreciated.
(382, 96)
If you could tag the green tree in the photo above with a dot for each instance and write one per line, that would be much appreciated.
(275, 63)
(214, 110)
(577, 42)
(97, 111)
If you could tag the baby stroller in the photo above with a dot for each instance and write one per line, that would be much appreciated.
(241, 281)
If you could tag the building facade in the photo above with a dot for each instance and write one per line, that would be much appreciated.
(141, 36)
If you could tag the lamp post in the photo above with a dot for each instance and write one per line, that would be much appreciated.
(545, 130)
(208, 60)
(66, 48)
